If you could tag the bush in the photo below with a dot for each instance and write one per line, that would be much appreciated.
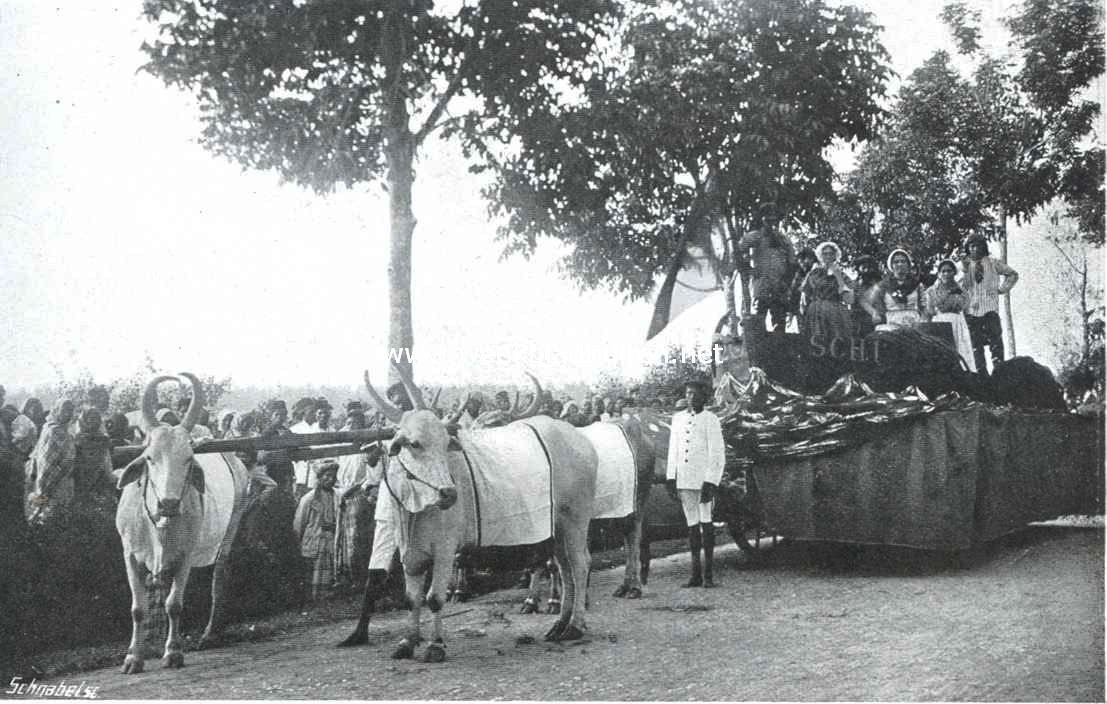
(64, 584)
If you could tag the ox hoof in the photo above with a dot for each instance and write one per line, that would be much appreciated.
(554, 634)
(404, 651)
(634, 593)
(173, 660)
(358, 637)
(620, 591)
(207, 640)
(530, 606)
(564, 631)
(132, 665)
(436, 652)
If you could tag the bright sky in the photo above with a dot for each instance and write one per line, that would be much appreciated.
(120, 237)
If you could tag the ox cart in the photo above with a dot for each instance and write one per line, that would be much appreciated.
(933, 468)
(949, 480)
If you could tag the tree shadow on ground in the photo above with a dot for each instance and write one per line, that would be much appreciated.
(861, 560)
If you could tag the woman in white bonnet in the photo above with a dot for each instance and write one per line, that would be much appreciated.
(945, 301)
(828, 293)
(898, 300)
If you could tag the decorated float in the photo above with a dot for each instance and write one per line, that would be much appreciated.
(889, 440)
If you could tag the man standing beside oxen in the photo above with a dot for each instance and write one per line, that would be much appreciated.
(382, 555)
(694, 470)
(355, 518)
(316, 523)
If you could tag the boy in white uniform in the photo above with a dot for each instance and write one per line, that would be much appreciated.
(693, 472)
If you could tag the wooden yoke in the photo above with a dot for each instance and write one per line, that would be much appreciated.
(302, 447)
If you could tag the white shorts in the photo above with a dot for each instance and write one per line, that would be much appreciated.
(694, 510)
(384, 545)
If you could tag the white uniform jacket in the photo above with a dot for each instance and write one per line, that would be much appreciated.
(696, 450)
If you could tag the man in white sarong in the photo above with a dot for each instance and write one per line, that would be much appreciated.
(383, 555)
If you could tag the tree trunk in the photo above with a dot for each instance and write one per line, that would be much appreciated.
(399, 155)
(1085, 316)
(1005, 301)
(733, 278)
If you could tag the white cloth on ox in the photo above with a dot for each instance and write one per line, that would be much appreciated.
(509, 497)
(225, 480)
(616, 474)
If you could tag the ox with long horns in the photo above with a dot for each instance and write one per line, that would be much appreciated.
(177, 511)
(425, 479)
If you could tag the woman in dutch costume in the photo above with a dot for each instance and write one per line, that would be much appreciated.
(898, 301)
(827, 293)
(945, 301)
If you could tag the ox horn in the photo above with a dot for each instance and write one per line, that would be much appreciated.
(453, 419)
(150, 401)
(536, 402)
(390, 412)
(196, 405)
(413, 391)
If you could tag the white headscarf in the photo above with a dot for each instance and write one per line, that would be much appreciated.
(896, 251)
(828, 243)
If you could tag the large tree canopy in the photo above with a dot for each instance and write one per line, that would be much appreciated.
(951, 152)
(711, 109)
(963, 153)
(1060, 44)
(325, 93)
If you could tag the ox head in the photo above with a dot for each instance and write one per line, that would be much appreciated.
(419, 474)
(168, 470)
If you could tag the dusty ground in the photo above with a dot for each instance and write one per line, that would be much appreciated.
(1021, 621)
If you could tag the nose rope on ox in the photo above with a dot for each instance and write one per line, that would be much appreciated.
(412, 475)
(145, 500)
(147, 486)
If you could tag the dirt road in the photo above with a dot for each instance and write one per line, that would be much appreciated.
(1022, 622)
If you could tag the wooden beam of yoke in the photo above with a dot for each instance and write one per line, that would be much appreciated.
(300, 447)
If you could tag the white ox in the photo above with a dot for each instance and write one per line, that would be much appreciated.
(177, 511)
(424, 487)
(624, 476)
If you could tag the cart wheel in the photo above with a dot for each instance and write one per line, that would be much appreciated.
(752, 538)
(746, 525)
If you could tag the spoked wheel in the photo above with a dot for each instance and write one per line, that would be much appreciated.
(752, 537)
(745, 519)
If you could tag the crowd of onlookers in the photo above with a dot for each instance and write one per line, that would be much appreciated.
(311, 507)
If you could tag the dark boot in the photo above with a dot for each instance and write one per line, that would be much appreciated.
(695, 543)
(708, 530)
